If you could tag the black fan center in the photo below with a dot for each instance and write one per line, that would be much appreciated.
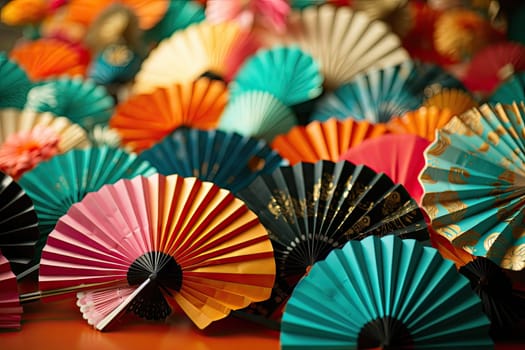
(385, 333)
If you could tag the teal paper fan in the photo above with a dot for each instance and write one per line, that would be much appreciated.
(179, 15)
(115, 64)
(379, 94)
(82, 101)
(288, 73)
(384, 293)
(257, 114)
(513, 90)
(65, 179)
(229, 160)
(302, 4)
(14, 84)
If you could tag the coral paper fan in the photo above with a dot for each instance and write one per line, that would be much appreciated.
(10, 308)
(493, 65)
(45, 58)
(170, 240)
(145, 119)
(201, 48)
(324, 140)
(148, 13)
(400, 156)
(455, 100)
(384, 292)
(422, 122)
(473, 181)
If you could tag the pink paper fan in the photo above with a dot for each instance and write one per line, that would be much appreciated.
(10, 308)
(400, 156)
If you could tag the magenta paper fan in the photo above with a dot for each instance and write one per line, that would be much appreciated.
(10, 308)
(400, 156)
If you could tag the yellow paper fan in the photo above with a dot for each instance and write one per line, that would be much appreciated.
(343, 41)
(28, 137)
(422, 122)
(201, 48)
(457, 101)
(324, 140)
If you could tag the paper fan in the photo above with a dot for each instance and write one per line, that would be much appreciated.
(145, 119)
(179, 15)
(493, 65)
(201, 48)
(311, 208)
(400, 156)
(170, 240)
(55, 185)
(45, 58)
(324, 140)
(422, 122)
(379, 94)
(344, 42)
(455, 100)
(24, 12)
(19, 229)
(384, 293)
(10, 308)
(115, 64)
(513, 90)
(148, 13)
(27, 138)
(82, 101)
(302, 4)
(473, 181)
(257, 114)
(395, 13)
(288, 73)
(14, 84)
(229, 160)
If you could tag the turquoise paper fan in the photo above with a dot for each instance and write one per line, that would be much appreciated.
(513, 90)
(384, 293)
(114, 64)
(229, 160)
(288, 73)
(65, 179)
(179, 15)
(14, 84)
(82, 101)
(257, 114)
(379, 94)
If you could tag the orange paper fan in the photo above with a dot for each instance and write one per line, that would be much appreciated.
(201, 48)
(46, 58)
(457, 101)
(148, 13)
(146, 118)
(422, 122)
(324, 140)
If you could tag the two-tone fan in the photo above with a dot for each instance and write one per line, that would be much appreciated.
(384, 293)
(311, 208)
(227, 159)
(147, 244)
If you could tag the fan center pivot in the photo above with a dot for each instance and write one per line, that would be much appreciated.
(161, 268)
(385, 333)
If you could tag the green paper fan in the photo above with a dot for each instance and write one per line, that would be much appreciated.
(257, 114)
(14, 84)
(82, 101)
(65, 179)
(384, 293)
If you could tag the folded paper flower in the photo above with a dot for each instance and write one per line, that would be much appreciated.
(473, 180)
(10, 308)
(311, 208)
(28, 138)
(384, 292)
(144, 119)
(227, 159)
(326, 140)
(151, 243)
(19, 231)
(55, 185)
(422, 122)
(14, 85)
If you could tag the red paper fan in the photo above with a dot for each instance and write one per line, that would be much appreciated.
(45, 58)
(493, 65)
(324, 140)
(400, 156)
(10, 309)
(146, 118)
(149, 243)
